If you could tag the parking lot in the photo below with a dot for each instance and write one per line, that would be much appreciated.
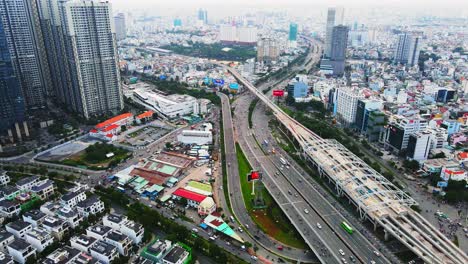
(143, 136)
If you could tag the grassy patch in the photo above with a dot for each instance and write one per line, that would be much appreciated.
(95, 157)
(271, 220)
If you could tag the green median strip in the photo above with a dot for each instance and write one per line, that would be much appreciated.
(271, 220)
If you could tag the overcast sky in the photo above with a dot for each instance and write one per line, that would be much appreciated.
(350, 3)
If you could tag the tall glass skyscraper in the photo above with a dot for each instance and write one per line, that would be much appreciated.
(24, 41)
(12, 106)
(293, 32)
(91, 54)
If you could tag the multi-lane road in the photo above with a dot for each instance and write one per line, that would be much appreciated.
(236, 199)
(304, 206)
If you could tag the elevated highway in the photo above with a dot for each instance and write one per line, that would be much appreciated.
(377, 199)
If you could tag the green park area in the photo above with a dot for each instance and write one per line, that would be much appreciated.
(98, 156)
(271, 219)
(214, 51)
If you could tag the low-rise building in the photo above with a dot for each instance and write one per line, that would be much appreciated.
(4, 259)
(120, 241)
(9, 192)
(66, 255)
(39, 238)
(25, 184)
(21, 251)
(4, 178)
(18, 228)
(92, 205)
(156, 250)
(207, 206)
(128, 227)
(56, 226)
(6, 238)
(82, 242)
(98, 231)
(71, 199)
(44, 190)
(195, 137)
(104, 252)
(70, 216)
(177, 255)
(193, 199)
(9, 208)
(34, 217)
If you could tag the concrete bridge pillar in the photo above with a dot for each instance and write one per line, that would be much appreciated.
(387, 235)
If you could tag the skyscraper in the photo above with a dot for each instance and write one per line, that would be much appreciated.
(91, 53)
(20, 21)
(293, 32)
(267, 50)
(12, 108)
(334, 18)
(336, 61)
(407, 50)
(203, 16)
(120, 26)
(292, 35)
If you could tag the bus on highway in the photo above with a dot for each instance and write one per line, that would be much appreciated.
(347, 228)
(283, 161)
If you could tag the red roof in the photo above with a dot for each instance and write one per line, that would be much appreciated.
(109, 135)
(109, 128)
(145, 115)
(181, 192)
(93, 130)
(113, 120)
(463, 155)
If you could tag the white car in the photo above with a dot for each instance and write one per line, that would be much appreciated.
(306, 211)
(376, 253)
(341, 252)
(320, 227)
(195, 230)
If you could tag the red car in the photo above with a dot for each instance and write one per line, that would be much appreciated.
(280, 247)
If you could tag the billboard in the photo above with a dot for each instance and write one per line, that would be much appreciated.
(218, 82)
(254, 175)
(278, 93)
(234, 86)
(442, 184)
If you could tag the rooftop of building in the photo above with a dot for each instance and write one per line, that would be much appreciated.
(90, 201)
(103, 248)
(117, 236)
(175, 254)
(18, 225)
(5, 235)
(99, 229)
(27, 180)
(34, 214)
(83, 240)
(19, 244)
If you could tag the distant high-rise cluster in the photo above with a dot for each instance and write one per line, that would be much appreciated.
(120, 26)
(407, 50)
(336, 41)
(62, 49)
(267, 50)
